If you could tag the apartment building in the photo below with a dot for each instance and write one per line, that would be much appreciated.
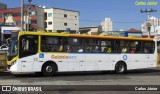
(41, 18)
(60, 20)
(3, 6)
(106, 24)
(12, 17)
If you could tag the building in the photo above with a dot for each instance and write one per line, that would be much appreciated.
(12, 17)
(91, 30)
(41, 18)
(153, 27)
(106, 24)
(123, 34)
(61, 20)
(6, 33)
(3, 6)
(154, 22)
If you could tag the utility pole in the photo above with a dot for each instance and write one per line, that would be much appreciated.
(148, 12)
(22, 8)
(29, 14)
(148, 22)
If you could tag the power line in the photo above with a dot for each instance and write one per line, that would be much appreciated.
(115, 21)
(98, 21)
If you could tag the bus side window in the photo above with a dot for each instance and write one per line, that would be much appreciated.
(28, 45)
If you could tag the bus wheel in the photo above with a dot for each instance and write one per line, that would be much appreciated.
(120, 68)
(48, 69)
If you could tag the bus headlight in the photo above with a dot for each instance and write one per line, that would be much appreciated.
(13, 63)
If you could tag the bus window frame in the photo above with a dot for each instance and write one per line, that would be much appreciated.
(25, 53)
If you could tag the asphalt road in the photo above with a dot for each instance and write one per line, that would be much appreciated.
(89, 82)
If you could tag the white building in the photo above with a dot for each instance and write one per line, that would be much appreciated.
(154, 23)
(60, 20)
(106, 24)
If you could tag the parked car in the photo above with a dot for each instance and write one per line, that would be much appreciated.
(4, 47)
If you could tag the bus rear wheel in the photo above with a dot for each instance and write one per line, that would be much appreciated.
(48, 69)
(120, 68)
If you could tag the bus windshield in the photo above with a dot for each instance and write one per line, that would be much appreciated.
(13, 45)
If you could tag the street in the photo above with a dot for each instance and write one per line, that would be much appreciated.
(133, 77)
(89, 81)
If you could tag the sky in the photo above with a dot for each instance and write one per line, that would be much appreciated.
(125, 14)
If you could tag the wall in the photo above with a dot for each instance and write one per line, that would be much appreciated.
(40, 18)
(58, 19)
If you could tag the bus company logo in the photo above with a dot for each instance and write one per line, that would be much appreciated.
(125, 57)
(63, 57)
(6, 88)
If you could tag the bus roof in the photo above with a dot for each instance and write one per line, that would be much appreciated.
(64, 34)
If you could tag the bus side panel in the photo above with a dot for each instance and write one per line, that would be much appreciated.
(27, 63)
(92, 61)
(69, 62)
(38, 61)
(139, 61)
(104, 62)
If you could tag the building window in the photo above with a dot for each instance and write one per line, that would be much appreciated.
(16, 14)
(1, 23)
(49, 14)
(1, 16)
(65, 24)
(49, 23)
(65, 15)
(34, 21)
(10, 23)
(75, 24)
(45, 16)
(33, 13)
(75, 16)
(18, 22)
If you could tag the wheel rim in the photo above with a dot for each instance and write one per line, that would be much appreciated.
(121, 68)
(49, 69)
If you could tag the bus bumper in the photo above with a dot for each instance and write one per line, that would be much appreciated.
(14, 68)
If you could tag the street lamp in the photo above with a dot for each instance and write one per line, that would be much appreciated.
(148, 25)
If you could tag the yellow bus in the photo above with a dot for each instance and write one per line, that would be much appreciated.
(48, 53)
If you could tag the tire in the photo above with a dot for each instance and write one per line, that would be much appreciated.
(48, 69)
(120, 68)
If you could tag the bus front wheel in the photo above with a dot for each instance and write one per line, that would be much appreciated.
(48, 69)
(120, 68)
